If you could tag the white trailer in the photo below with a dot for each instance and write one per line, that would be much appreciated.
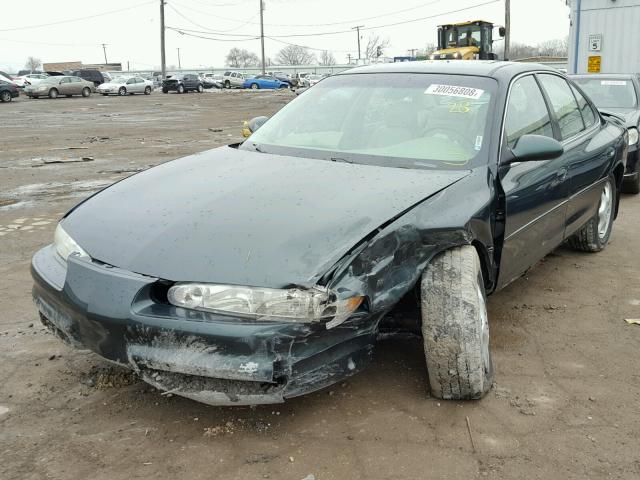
(604, 36)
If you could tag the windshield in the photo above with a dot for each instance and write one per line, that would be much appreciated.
(609, 93)
(119, 80)
(395, 120)
(468, 36)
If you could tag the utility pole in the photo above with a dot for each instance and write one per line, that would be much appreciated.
(163, 62)
(357, 29)
(104, 49)
(179, 63)
(262, 33)
(507, 28)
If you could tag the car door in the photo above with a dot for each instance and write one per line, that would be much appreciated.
(64, 87)
(534, 192)
(586, 154)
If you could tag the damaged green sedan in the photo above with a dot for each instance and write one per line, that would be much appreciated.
(258, 272)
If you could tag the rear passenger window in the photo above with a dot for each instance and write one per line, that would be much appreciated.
(526, 111)
(564, 105)
(588, 114)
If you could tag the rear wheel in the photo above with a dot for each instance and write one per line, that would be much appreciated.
(455, 326)
(5, 96)
(122, 91)
(164, 90)
(53, 93)
(594, 236)
(147, 91)
(255, 86)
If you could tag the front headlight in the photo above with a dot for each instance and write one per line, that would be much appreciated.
(65, 245)
(456, 55)
(294, 304)
(633, 136)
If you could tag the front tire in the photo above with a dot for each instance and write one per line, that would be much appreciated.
(594, 236)
(86, 92)
(227, 84)
(53, 93)
(180, 88)
(122, 91)
(255, 86)
(164, 90)
(200, 88)
(5, 97)
(147, 91)
(455, 326)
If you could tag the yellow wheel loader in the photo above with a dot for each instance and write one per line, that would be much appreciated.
(466, 41)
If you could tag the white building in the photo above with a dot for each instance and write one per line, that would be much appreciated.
(604, 36)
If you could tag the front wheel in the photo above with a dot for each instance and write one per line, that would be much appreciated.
(147, 91)
(53, 93)
(594, 236)
(5, 96)
(200, 88)
(227, 84)
(255, 86)
(455, 326)
(164, 90)
(180, 88)
(122, 91)
(86, 92)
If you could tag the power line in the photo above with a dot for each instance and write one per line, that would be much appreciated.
(182, 32)
(29, 27)
(218, 32)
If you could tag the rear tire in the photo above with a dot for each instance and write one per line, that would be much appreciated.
(164, 90)
(200, 88)
(53, 93)
(255, 86)
(594, 236)
(122, 91)
(147, 91)
(180, 88)
(455, 326)
(86, 92)
(5, 96)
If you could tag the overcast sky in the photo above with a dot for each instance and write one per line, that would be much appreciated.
(133, 34)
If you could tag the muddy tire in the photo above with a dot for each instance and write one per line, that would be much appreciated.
(53, 93)
(455, 327)
(122, 91)
(594, 236)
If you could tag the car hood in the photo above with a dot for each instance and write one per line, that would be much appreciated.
(631, 116)
(245, 218)
(110, 85)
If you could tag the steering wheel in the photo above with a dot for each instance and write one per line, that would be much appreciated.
(455, 136)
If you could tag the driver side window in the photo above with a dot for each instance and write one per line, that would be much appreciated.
(527, 112)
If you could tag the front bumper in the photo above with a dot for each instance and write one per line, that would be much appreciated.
(210, 358)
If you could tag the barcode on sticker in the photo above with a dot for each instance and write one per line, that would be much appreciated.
(454, 91)
(613, 82)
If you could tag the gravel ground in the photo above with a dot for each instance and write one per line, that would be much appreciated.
(567, 394)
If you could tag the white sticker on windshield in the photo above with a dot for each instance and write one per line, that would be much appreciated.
(454, 91)
(613, 82)
(479, 142)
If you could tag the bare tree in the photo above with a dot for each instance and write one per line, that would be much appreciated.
(295, 55)
(327, 58)
(241, 58)
(554, 48)
(375, 47)
(33, 63)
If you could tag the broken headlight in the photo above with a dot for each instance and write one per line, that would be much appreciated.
(293, 304)
(65, 245)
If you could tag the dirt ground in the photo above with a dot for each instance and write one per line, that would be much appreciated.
(566, 404)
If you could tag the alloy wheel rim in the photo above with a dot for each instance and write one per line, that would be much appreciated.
(604, 210)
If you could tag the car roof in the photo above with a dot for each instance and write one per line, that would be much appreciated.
(484, 68)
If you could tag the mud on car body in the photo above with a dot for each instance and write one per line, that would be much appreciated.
(268, 271)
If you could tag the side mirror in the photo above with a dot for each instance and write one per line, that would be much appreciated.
(253, 125)
(531, 148)
(502, 31)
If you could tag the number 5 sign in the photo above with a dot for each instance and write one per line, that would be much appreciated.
(595, 42)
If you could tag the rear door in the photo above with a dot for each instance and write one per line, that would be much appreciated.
(586, 160)
(535, 192)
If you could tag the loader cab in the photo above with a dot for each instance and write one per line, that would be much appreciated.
(466, 41)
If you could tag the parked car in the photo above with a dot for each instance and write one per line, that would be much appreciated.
(52, 87)
(233, 79)
(30, 79)
(313, 79)
(22, 73)
(620, 95)
(431, 184)
(301, 79)
(53, 73)
(5, 77)
(126, 85)
(264, 82)
(182, 83)
(95, 76)
(8, 91)
(210, 80)
(283, 77)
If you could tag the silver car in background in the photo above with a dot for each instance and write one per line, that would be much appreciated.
(126, 85)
